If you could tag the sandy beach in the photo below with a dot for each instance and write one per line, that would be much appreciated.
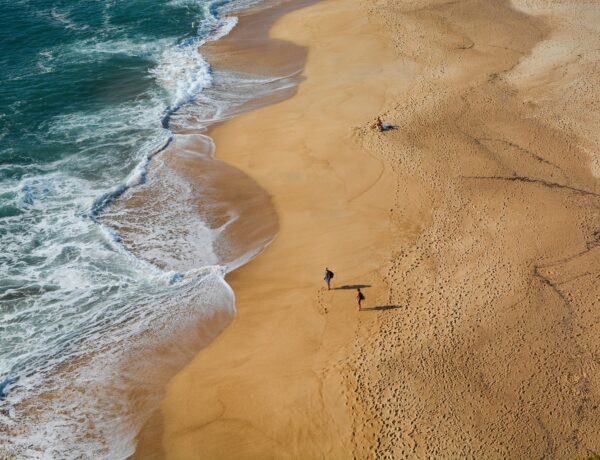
(472, 228)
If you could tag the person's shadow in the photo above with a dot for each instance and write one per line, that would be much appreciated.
(353, 286)
(365, 286)
(382, 308)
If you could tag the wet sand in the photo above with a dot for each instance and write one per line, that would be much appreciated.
(473, 228)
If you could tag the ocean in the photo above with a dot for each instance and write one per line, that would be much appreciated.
(101, 303)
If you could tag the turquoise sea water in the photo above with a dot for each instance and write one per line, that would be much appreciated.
(87, 91)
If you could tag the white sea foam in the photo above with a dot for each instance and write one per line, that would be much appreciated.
(227, 97)
(183, 72)
(226, 26)
(118, 351)
(166, 228)
(128, 47)
(63, 18)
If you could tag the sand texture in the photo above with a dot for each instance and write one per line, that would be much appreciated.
(473, 227)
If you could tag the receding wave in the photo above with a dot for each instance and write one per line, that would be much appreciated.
(90, 390)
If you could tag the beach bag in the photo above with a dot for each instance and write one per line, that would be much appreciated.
(361, 296)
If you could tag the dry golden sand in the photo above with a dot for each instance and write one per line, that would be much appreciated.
(475, 224)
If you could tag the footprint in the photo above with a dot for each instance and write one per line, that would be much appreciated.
(321, 306)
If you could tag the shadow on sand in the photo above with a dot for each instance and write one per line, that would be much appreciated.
(352, 286)
(383, 307)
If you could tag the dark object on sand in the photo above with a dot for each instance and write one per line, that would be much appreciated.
(328, 277)
(359, 298)
(381, 126)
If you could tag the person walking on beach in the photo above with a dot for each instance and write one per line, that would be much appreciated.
(359, 298)
(328, 277)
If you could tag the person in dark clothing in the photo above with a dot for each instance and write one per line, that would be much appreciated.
(328, 277)
(359, 298)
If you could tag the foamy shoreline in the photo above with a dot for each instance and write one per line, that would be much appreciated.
(235, 201)
(273, 290)
(127, 351)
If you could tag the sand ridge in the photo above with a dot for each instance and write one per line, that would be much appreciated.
(493, 355)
